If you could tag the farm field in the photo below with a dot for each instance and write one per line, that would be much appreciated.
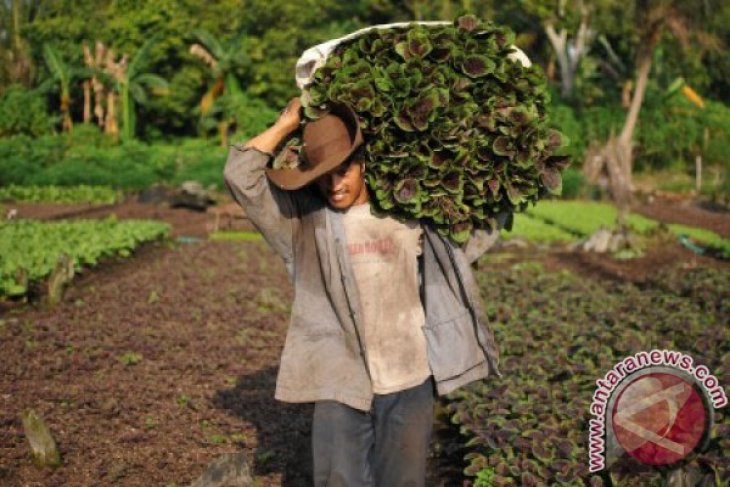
(143, 316)
(154, 365)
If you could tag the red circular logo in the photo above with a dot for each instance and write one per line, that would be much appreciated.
(659, 418)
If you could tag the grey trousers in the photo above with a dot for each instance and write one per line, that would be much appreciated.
(384, 447)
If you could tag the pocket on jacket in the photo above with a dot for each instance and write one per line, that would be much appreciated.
(453, 347)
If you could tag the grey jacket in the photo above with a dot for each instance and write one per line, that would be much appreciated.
(323, 356)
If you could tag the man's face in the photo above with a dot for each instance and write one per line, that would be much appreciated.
(344, 186)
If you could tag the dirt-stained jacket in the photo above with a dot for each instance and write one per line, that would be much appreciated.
(323, 356)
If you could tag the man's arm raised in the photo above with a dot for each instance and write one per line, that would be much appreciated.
(270, 209)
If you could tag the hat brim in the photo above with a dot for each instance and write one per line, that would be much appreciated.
(298, 177)
(303, 174)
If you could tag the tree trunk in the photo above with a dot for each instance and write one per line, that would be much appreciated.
(550, 69)
(127, 129)
(20, 63)
(617, 155)
(446, 10)
(417, 9)
(67, 123)
(569, 54)
(223, 132)
(642, 77)
(206, 103)
(97, 85)
(16, 25)
(559, 43)
(620, 156)
(110, 124)
(87, 101)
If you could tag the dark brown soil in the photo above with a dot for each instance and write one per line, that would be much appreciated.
(638, 270)
(207, 321)
(687, 212)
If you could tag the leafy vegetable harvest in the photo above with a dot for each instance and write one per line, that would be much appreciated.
(455, 131)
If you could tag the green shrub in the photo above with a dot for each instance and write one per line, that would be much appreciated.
(199, 160)
(87, 134)
(24, 112)
(574, 183)
(129, 166)
(670, 132)
(583, 126)
(87, 157)
(22, 157)
(252, 116)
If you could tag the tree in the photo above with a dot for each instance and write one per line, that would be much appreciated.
(246, 115)
(16, 63)
(652, 19)
(570, 27)
(63, 75)
(132, 85)
(225, 62)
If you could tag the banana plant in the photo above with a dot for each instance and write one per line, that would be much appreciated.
(224, 61)
(133, 83)
(63, 75)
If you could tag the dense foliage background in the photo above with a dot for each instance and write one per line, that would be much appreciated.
(222, 69)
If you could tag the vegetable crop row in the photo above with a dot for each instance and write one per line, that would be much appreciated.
(582, 218)
(29, 249)
(60, 194)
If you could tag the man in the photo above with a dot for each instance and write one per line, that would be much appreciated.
(385, 314)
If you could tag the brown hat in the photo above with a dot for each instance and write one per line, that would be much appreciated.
(327, 143)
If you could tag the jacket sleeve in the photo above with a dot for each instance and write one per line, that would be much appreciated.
(271, 210)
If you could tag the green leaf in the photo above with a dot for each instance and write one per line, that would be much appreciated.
(477, 66)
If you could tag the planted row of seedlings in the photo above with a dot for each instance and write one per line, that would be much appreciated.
(30, 251)
(60, 194)
(559, 333)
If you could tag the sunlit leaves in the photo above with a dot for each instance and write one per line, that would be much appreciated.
(84, 241)
(448, 100)
(477, 66)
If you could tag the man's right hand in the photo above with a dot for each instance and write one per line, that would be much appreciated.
(290, 117)
(288, 122)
